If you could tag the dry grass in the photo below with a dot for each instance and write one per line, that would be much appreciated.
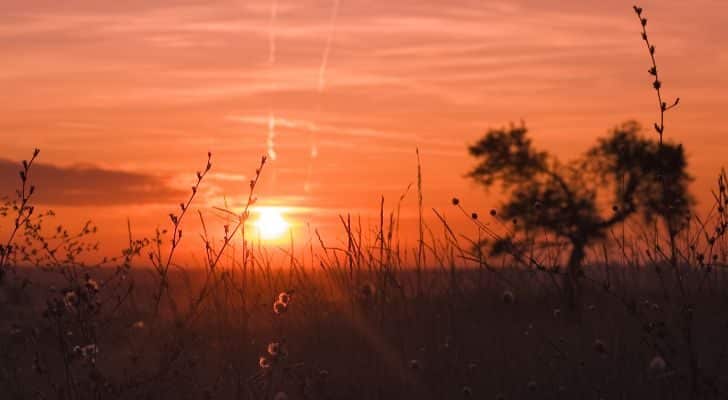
(369, 319)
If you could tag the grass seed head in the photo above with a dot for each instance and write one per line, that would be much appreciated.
(657, 364)
(274, 349)
(70, 300)
(92, 285)
(280, 396)
(284, 297)
(264, 362)
(280, 307)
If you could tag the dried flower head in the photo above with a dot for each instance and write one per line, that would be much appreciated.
(280, 396)
(657, 364)
(264, 362)
(280, 307)
(274, 349)
(284, 297)
(91, 284)
(70, 299)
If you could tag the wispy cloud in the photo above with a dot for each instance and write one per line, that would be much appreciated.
(341, 130)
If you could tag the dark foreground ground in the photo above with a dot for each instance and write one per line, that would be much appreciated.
(345, 335)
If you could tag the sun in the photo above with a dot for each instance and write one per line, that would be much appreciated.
(270, 223)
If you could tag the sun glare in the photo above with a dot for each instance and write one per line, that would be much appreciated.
(270, 224)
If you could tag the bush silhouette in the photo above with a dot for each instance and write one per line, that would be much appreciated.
(641, 177)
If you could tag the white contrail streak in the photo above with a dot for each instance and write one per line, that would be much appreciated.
(272, 32)
(313, 154)
(321, 86)
(327, 48)
(271, 136)
(270, 142)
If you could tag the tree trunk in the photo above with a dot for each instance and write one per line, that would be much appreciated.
(571, 284)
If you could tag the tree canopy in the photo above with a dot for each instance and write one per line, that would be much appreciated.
(624, 174)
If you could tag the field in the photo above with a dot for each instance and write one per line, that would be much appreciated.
(354, 326)
(596, 278)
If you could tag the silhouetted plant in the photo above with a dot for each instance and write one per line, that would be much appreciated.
(438, 335)
(22, 212)
(564, 198)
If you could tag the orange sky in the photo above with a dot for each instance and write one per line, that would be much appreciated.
(126, 99)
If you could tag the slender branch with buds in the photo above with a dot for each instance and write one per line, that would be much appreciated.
(23, 211)
(656, 84)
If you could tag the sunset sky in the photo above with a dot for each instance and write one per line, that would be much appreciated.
(125, 99)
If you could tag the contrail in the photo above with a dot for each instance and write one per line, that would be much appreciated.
(271, 135)
(327, 48)
(321, 86)
(272, 32)
(270, 142)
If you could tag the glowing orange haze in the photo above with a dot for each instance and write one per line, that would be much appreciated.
(339, 93)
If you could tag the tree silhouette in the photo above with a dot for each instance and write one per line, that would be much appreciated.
(624, 174)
